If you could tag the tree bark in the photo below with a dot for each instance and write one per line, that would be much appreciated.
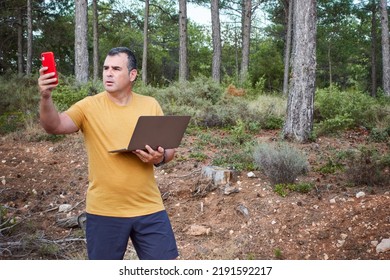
(29, 38)
(287, 51)
(183, 48)
(246, 31)
(20, 42)
(81, 41)
(96, 73)
(385, 48)
(373, 47)
(146, 42)
(300, 107)
(216, 34)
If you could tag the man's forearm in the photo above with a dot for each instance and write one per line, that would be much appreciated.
(48, 115)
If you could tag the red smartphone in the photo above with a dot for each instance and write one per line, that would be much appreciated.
(47, 59)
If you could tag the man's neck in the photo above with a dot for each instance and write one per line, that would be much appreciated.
(121, 99)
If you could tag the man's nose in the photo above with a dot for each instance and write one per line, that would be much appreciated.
(109, 72)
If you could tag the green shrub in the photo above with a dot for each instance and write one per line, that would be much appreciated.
(239, 133)
(236, 157)
(284, 189)
(380, 135)
(19, 100)
(366, 166)
(273, 122)
(65, 95)
(11, 121)
(331, 166)
(198, 156)
(281, 163)
(338, 123)
(338, 110)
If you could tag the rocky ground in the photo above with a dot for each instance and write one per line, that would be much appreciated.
(244, 220)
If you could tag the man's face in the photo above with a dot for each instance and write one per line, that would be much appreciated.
(116, 77)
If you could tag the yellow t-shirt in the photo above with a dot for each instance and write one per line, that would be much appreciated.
(120, 184)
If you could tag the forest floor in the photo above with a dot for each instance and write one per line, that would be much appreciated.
(252, 222)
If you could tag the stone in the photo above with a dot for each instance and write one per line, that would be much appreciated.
(243, 210)
(383, 246)
(197, 230)
(360, 194)
(64, 208)
(219, 176)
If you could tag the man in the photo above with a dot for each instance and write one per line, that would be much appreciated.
(123, 200)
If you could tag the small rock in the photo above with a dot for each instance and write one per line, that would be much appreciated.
(340, 243)
(251, 175)
(344, 236)
(229, 189)
(243, 210)
(332, 201)
(360, 194)
(64, 208)
(383, 246)
(197, 230)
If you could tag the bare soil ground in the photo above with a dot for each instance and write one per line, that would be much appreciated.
(254, 222)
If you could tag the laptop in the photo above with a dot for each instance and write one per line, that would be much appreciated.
(157, 131)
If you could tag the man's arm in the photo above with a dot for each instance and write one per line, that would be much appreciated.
(52, 121)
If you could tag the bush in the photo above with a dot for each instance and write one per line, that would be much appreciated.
(65, 95)
(237, 158)
(380, 135)
(366, 166)
(284, 189)
(281, 163)
(19, 100)
(338, 110)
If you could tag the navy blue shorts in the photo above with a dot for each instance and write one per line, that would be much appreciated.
(152, 237)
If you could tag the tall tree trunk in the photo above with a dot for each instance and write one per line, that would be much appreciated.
(287, 51)
(216, 34)
(246, 32)
(81, 41)
(29, 38)
(146, 42)
(20, 42)
(373, 47)
(330, 64)
(300, 107)
(183, 48)
(96, 73)
(385, 48)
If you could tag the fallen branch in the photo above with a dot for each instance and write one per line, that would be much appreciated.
(65, 240)
(3, 190)
(190, 174)
(77, 204)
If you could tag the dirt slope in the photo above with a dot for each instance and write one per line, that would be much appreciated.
(253, 222)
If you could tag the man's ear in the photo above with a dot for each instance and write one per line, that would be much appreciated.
(133, 75)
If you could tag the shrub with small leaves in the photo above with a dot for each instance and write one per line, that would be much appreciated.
(367, 166)
(281, 163)
(380, 135)
(284, 189)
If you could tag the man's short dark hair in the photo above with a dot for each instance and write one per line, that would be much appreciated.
(131, 62)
